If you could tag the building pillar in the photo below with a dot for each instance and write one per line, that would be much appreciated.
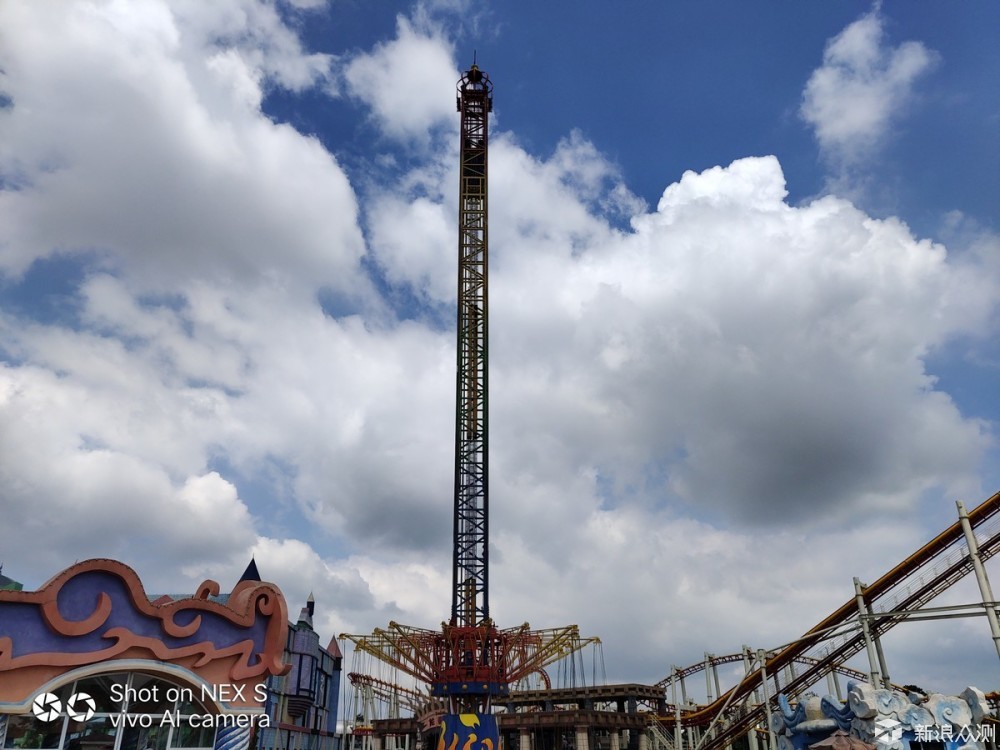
(524, 740)
(232, 738)
(582, 738)
(643, 741)
(616, 740)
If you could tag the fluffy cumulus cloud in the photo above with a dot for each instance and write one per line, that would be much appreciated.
(168, 166)
(135, 149)
(725, 382)
(858, 93)
(69, 494)
(734, 359)
(407, 82)
(747, 356)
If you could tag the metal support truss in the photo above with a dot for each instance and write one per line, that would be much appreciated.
(519, 651)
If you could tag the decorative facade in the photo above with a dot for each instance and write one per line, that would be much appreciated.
(303, 703)
(887, 720)
(90, 662)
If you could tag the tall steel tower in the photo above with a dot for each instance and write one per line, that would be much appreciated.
(470, 660)
(470, 604)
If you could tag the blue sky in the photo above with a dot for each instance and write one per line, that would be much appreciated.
(704, 83)
(744, 338)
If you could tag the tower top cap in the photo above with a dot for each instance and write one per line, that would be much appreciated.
(474, 80)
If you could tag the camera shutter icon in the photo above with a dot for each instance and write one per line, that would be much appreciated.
(46, 707)
(81, 706)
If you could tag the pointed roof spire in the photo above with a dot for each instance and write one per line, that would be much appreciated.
(251, 573)
(8, 583)
(305, 618)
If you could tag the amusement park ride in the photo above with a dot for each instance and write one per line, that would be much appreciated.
(470, 661)
(469, 665)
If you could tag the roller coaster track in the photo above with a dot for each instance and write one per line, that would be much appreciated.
(716, 661)
(896, 595)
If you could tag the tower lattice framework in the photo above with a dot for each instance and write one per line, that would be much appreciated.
(470, 570)
(470, 660)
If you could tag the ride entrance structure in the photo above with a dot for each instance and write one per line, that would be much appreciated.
(470, 662)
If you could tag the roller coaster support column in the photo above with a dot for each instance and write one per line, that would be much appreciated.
(762, 658)
(747, 669)
(708, 677)
(833, 684)
(715, 676)
(989, 603)
(678, 736)
(877, 640)
(876, 677)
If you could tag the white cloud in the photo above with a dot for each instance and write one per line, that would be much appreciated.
(70, 492)
(408, 237)
(662, 591)
(255, 33)
(732, 330)
(169, 167)
(308, 4)
(858, 93)
(409, 82)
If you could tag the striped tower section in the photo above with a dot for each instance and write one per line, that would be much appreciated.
(232, 738)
